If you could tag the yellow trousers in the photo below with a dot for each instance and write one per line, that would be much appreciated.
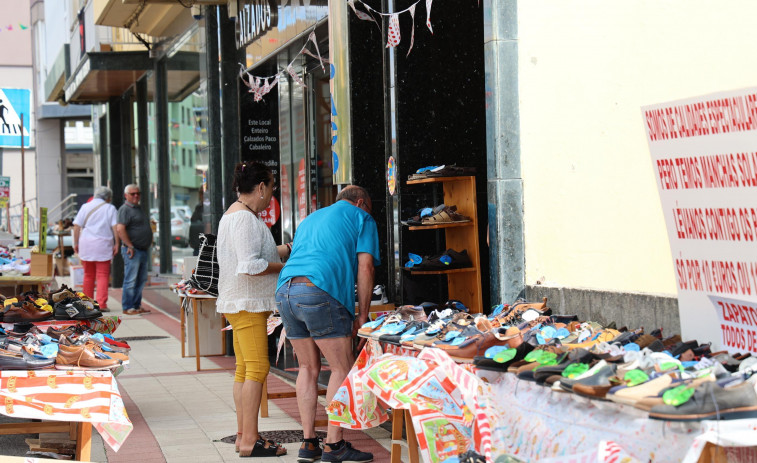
(250, 345)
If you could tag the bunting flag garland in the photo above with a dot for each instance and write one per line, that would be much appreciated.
(296, 77)
(311, 38)
(428, 15)
(362, 15)
(261, 86)
(412, 31)
(393, 36)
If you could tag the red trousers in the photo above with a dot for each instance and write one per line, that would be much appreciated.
(99, 271)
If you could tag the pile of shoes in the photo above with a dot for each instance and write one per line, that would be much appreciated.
(449, 259)
(10, 266)
(440, 214)
(27, 307)
(63, 304)
(441, 171)
(26, 347)
(72, 305)
(667, 377)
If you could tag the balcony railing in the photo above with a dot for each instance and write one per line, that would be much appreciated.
(120, 39)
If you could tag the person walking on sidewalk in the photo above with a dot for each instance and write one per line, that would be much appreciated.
(333, 247)
(136, 238)
(96, 242)
(248, 264)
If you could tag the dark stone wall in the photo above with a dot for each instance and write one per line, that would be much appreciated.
(368, 141)
(441, 120)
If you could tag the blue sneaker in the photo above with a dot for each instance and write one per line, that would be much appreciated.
(310, 451)
(345, 452)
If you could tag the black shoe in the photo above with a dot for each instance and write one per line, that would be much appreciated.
(310, 451)
(343, 451)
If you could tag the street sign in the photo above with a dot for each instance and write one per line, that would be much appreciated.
(13, 103)
(5, 191)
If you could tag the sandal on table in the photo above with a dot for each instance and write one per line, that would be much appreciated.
(265, 448)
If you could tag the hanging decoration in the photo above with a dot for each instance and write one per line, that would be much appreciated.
(260, 86)
(393, 35)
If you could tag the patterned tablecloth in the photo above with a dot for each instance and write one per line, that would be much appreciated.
(55, 395)
(456, 407)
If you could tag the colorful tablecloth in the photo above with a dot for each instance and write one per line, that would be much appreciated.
(456, 407)
(440, 395)
(55, 395)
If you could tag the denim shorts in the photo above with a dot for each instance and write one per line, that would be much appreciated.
(309, 312)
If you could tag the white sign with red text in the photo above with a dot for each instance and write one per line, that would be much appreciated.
(704, 152)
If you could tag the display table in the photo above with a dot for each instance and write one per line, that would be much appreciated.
(67, 401)
(455, 407)
(22, 284)
(190, 302)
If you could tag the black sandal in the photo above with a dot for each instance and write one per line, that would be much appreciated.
(265, 448)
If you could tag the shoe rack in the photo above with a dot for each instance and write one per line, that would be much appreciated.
(464, 283)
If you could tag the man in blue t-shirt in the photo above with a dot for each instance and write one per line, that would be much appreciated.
(333, 248)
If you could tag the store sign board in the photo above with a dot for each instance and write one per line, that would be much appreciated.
(259, 141)
(289, 21)
(13, 103)
(255, 18)
(704, 155)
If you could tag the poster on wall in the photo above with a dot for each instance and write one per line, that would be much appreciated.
(13, 103)
(704, 155)
(259, 132)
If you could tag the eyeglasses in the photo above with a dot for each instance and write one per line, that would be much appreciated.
(135, 194)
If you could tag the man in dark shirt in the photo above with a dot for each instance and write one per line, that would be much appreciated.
(136, 238)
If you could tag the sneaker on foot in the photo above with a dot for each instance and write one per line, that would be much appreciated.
(343, 451)
(310, 451)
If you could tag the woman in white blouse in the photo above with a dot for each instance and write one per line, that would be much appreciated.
(249, 264)
(96, 242)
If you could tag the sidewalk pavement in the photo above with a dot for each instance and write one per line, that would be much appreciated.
(181, 415)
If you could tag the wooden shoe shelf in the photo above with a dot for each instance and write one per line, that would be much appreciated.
(464, 283)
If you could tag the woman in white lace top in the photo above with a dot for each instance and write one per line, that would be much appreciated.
(249, 264)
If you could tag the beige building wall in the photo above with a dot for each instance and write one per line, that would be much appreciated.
(16, 72)
(592, 213)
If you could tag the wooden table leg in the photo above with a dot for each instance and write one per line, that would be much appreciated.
(412, 439)
(197, 332)
(84, 441)
(264, 400)
(397, 419)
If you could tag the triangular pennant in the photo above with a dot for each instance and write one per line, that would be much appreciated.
(428, 15)
(312, 38)
(311, 54)
(257, 89)
(296, 77)
(393, 36)
(412, 33)
(362, 15)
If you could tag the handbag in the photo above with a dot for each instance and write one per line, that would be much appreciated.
(205, 276)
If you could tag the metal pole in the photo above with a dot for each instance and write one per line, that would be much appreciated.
(23, 166)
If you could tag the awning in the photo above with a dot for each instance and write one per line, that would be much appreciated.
(103, 75)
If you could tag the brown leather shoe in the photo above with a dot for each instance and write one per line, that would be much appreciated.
(475, 346)
(20, 312)
(80, 358)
